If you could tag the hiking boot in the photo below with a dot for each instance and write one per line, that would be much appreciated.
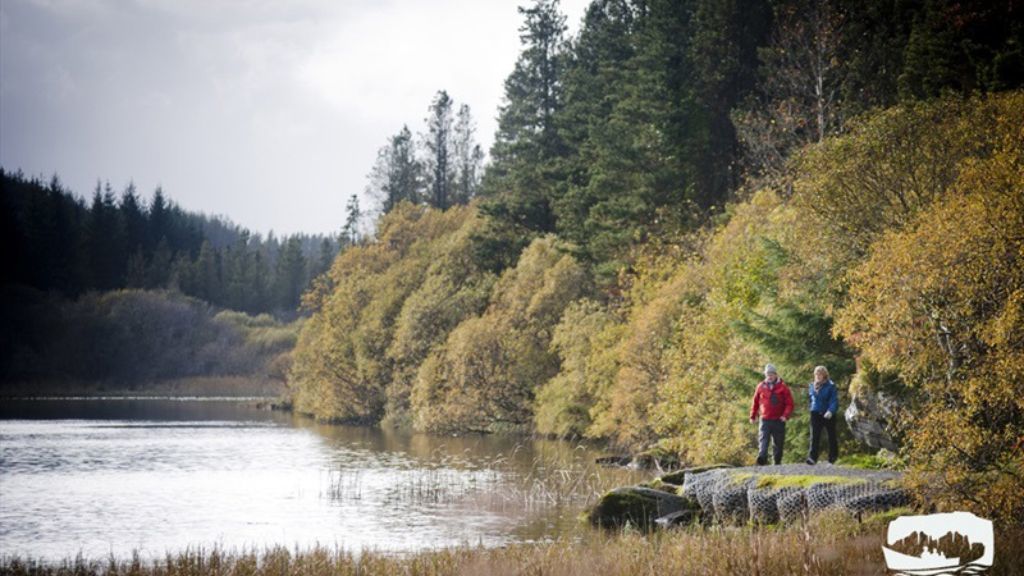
(810, 462)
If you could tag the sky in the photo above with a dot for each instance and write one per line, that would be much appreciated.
(267, 112)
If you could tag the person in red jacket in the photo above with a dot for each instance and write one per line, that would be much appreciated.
(773, 402)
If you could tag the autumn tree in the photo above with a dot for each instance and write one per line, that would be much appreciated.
(941, 303)
(802, 75)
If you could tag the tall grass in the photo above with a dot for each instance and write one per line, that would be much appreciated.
(812, 549)
(548, 479)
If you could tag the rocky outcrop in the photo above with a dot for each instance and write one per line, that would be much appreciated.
(875, 401)
(763, 494)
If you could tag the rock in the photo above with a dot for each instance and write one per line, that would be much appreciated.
(638, 506)
(658, 484)
(680, 518)
(875, 399)
(655, 459)
(613, 460)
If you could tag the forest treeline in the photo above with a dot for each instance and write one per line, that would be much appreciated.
(126, 293)
(685, 190)
(55, 241)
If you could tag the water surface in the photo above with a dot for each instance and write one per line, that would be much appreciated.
(105, 477)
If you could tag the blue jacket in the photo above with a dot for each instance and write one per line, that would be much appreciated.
(824, 400)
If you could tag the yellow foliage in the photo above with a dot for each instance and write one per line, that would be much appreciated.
(484, 377)
(341, 369)
(941, 302)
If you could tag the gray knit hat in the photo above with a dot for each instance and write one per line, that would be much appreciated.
(770, 369)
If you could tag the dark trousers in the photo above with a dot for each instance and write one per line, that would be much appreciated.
(819, 422)
(773, 431)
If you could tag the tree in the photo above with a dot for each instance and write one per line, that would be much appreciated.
(941, 303)
(468, 157)
(290, 274)
(801, 79)
(103, 241)
(350, 232)
(327, 253)
(133, 216)
(397, 175)
(159, 216)
(438, 157)
(207, 274)
(527, 139)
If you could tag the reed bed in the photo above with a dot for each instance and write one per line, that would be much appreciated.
(504, 481)
(811, 550)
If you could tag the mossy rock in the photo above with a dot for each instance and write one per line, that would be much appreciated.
(637, 506)
(658, 484)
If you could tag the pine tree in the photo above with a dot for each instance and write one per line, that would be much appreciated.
(350, 232)
(397, 174)
(103, 241)
(327, 254)
(468, 157)
(527, 142)
(438, 153)
(290, 274)
(207, 276)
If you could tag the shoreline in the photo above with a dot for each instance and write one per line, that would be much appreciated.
(198, 387)
(824, 547)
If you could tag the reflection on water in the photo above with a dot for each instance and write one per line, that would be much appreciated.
(109, 477)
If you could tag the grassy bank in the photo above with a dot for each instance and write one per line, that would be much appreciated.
(828, 546)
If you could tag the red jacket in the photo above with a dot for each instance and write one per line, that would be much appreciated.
(772, 403)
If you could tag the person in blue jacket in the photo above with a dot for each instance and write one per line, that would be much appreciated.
(824, 398)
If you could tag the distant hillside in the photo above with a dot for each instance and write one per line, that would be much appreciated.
(53, 240)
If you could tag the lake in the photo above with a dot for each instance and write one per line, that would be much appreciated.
(117, 476)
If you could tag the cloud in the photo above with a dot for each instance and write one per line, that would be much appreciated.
(268, 111)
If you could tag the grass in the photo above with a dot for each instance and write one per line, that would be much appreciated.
(814, 549)
(802, 480)
(870, 462)
(497, 484)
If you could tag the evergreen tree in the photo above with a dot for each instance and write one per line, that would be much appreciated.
(397, 174)
(158, 221)
(103, 236)
(133, 216)
(290, 274)
(350, 232)
(158, 273)
(527, 142)
(468, 157)
(327, 254)
(438, 153)
(207, 276)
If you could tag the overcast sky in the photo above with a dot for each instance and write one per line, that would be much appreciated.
(268, 112)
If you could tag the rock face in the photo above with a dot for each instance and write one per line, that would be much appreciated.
(875, 400)
(868, 417)
(761, 494)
